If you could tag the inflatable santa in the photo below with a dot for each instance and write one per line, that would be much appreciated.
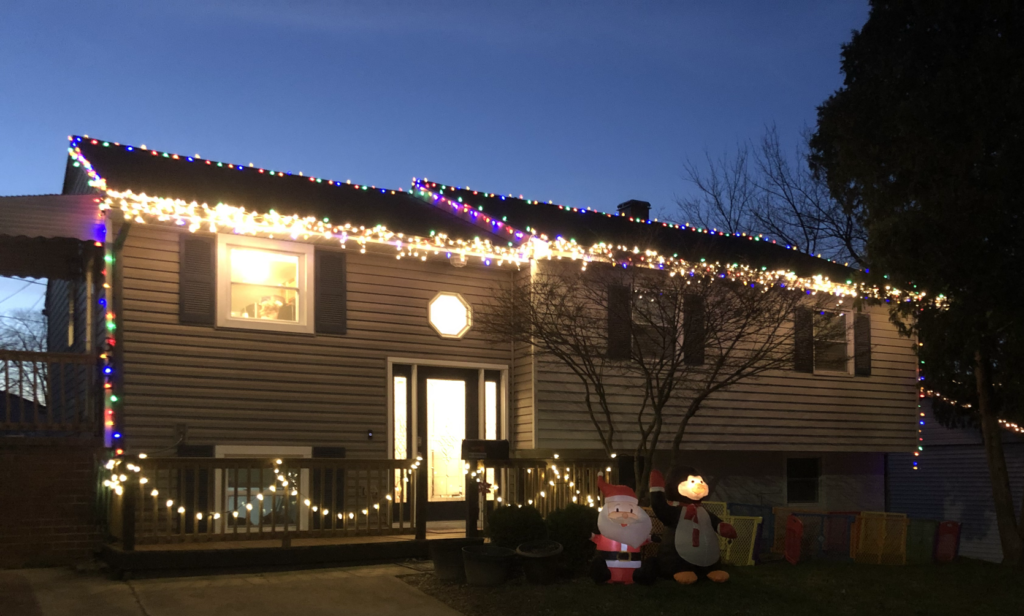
(624, 527)
(689, 550)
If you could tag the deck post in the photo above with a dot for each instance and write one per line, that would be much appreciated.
(472, 491)
(129, 501)
(421, 497)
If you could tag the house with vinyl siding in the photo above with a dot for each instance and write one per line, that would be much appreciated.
(336, 320)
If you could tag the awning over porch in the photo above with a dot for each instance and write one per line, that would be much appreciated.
(46, 236)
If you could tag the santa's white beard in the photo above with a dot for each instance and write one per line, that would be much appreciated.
(633, 534)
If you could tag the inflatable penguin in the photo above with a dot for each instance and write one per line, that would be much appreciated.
(624, 527)
(689, 551)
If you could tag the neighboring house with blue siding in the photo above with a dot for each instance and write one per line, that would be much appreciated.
(952, 483)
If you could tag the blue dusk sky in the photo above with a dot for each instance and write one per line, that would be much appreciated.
(583, 103)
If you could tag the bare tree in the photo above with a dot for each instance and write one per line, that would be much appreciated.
(24, 330)
(762, 188)
(673, 340)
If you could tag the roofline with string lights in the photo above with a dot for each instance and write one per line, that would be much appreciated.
(524, 245)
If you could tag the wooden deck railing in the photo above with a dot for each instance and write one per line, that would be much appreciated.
(47, 393)
(197, 500)
(546, 484)
(175, 500)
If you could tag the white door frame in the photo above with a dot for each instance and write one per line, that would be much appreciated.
(503, 399)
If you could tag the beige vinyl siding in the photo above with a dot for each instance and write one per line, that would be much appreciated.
(57, 316)
(783, 410)
(263, 388)
(522, 417)
(523, 394)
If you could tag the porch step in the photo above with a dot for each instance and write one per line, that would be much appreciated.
(194, 558)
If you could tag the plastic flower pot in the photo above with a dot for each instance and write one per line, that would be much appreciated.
(447, 557)
(541, 560)
(487, 565)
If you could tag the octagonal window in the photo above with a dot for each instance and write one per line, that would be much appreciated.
(450, 315)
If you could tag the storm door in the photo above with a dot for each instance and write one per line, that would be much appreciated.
(448, 407)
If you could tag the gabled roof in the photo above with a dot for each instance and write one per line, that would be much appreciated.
(428, 208)
(189, 178)
(588, 227)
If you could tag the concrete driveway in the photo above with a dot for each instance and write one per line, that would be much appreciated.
(354, 591)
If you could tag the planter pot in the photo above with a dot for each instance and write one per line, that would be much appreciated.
(447, 557)
(541, 560)
(487, 565)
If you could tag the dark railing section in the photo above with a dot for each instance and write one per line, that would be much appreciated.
(49, 393)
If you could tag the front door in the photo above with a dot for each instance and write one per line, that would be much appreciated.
(447, 413)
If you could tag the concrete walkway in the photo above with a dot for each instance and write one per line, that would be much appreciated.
(352, 591)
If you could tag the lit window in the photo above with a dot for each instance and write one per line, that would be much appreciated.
(491, 410)
(264, 284)
(236, 490)
(401, 418)
(831, 342)
(490, 424)
(450, 315)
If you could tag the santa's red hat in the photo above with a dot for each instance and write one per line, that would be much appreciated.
(614, 493)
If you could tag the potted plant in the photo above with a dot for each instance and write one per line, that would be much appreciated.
(541, 560)
(487, 564)
(447, 557)
(507, 527)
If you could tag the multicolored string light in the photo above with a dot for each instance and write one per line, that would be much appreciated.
(100, 183)
(143, 208)
(436, 189)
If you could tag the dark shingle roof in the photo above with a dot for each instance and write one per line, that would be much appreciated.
(195, 179)
(589, 227)
(163, 174)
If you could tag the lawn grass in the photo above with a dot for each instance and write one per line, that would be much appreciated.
(965, 589)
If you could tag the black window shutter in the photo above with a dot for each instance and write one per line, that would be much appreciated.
(693, 330)
(803, 340)
(862, 345)
(329, 303)
(619, 316)
(197, 279)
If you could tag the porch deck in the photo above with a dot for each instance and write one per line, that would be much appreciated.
(206, 513)
(448, 529)
(269, 553)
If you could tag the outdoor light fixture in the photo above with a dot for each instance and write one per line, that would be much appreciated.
(450, 315)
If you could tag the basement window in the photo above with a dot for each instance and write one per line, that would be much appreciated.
(802, 476)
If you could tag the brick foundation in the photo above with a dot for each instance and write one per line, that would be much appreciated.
(48, 502)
